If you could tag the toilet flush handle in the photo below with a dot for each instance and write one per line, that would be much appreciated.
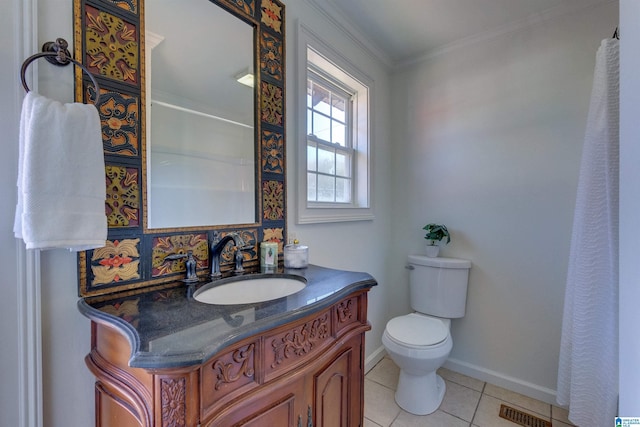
(409, 267)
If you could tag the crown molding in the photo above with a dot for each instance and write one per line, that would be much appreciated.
(152, 39)
(328, 10)
(533, 20)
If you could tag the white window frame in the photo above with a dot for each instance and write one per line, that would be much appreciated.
(320, 78)
(312, 50)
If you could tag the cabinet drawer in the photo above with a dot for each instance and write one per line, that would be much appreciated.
(227, 375)
(303, 342)
(297, 344)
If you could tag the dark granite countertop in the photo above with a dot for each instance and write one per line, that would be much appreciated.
(168, 328)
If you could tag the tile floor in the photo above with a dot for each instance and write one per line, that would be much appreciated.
(468, 402)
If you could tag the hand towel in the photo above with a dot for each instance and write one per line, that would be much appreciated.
(588, 364)
(61, 178)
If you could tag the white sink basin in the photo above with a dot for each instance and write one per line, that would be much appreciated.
(248, 291)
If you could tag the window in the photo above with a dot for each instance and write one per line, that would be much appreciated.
(334, 142)
(329, 147)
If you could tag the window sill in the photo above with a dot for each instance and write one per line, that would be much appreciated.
(328, 215)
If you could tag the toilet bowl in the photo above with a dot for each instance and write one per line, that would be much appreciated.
(420, 390)
(420, 342)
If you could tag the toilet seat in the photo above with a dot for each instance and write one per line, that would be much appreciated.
(417, 331)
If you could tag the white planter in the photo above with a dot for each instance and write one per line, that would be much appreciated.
(432, 250)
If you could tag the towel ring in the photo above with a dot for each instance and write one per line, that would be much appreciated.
(57, 54)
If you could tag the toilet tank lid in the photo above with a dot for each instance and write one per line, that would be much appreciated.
(439, 261)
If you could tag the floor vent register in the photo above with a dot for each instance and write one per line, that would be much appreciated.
(522, 418)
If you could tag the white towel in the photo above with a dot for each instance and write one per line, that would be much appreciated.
(61, 178)
(588, 368)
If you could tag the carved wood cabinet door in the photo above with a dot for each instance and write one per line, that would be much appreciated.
(280, 405)
(337, 399)
(326, 393)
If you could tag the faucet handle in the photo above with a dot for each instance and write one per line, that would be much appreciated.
(174, 257)
(190, 265)
(239, 258)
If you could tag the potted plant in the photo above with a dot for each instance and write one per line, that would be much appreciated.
(435, 233)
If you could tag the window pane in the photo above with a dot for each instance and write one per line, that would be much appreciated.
(309, 123)
(321, 99)
(326, 188)
(311, 157)
(343, 190)
(321, 127)
(339, 104)
(326, 161)
(311, 187)
(343, 164)
(309, 92)
(339, 133)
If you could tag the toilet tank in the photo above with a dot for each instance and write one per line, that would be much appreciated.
(438, 286)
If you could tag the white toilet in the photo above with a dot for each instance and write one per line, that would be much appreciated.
(420, 342)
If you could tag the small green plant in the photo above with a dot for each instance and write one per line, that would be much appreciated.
(435, 233)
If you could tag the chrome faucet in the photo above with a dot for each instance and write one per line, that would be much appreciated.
(218, 245)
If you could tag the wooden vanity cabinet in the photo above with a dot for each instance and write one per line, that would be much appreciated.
(308, 372)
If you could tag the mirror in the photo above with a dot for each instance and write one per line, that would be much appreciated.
(118, 46)
(200, 120)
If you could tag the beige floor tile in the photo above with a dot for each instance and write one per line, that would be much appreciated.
(468, 402)
(386, 373)
(464, 380)
(488, 411)
(379, 403)
(369, 423)
(460, 401)
(436, 419)
(560, 414)
(525, 402)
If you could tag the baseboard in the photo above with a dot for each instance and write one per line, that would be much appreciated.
(374, 358)
(496, 378)
(517, 385)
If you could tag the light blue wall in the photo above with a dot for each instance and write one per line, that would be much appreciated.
(491, 137)
(11, 94)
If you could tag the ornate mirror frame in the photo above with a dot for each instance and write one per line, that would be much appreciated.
(109, 41)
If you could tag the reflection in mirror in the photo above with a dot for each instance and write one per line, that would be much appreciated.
(200, 119)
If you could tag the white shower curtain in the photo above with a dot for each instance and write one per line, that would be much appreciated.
(588, 367)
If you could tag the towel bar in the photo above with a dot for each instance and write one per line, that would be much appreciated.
(57, 53)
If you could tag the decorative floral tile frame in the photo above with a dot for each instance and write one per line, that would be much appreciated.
(109, 41)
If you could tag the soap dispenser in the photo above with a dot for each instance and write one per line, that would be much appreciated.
(268, 255)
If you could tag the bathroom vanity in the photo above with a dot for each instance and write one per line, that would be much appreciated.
(161, 358)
